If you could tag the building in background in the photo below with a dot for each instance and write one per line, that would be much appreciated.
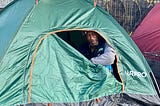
(129, 13)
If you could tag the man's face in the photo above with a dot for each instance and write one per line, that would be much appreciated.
(92, 38)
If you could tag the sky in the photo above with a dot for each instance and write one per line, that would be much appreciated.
(3, 3)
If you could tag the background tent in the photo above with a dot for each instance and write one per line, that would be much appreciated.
(11, 19)
(147, 38)
(38, 66)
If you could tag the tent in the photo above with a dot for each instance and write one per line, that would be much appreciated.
(147, 37)
(38, 65)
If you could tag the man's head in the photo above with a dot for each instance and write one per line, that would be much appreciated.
(92, 38)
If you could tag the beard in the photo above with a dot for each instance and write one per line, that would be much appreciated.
(93, 43)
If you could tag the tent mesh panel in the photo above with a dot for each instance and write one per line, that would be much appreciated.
(153, 59)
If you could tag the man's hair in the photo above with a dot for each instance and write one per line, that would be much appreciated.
(85, 32)
(100, 38)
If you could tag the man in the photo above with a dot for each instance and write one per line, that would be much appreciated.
(97, 50)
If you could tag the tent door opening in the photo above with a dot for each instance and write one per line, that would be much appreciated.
(76, 38)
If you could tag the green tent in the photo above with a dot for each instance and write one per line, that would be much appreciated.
(39, 62)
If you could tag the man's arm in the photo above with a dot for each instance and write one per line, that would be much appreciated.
(107, 58)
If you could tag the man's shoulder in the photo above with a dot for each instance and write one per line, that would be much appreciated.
(108, 48)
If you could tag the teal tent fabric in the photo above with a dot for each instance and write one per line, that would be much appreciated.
(11, 19)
